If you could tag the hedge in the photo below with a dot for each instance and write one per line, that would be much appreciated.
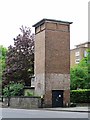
(80, 96)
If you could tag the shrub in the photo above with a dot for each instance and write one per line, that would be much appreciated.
(29, 94)
(80, 96)
(13, 89)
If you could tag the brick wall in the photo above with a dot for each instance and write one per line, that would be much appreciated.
(57, 51)
(52, 59)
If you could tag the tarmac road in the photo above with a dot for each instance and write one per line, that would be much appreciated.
(23, 113)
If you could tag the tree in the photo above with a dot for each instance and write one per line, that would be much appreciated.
(85, 65)
(20, 58)
(3, 52)
(80, 74)
(77, 75)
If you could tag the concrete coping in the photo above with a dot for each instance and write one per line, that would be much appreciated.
(50, 20)
(22, 97)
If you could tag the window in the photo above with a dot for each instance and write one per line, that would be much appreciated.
(77, 60)
(77, 53)
(85, 53)
(86, 45)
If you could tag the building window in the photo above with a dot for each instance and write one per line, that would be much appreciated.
(77, 53)
(77, 61)
(86, 45)
(85, 53)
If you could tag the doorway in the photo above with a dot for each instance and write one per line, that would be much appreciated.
(57, 98)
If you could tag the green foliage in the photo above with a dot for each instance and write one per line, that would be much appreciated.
(80, 96)
(80, 74)
(78, 78)
(20, 59)
(29, 94)
(3, 52)
(13, 89)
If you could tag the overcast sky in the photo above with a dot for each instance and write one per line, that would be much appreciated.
(14, 13)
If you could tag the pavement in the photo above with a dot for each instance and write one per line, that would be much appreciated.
(70, 109)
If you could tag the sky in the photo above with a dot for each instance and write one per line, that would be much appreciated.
(15, 13)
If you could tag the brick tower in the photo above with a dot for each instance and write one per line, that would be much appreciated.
(52, 62)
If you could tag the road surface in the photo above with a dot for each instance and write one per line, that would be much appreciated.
(23, 113)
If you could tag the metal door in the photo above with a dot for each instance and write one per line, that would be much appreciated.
(57, 98)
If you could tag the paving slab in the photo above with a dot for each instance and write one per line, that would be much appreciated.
(71, 109)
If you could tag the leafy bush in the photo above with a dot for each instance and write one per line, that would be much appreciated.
(80, 96)
(13, 89)
(29, 94)
(79, 78)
